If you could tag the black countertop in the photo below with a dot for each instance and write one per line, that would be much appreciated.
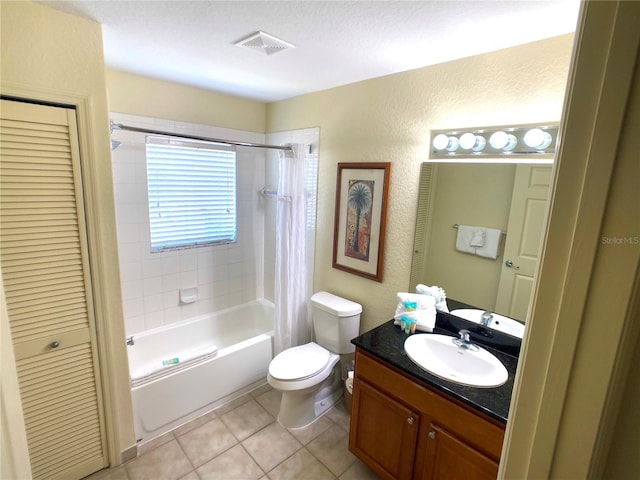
(386, 342)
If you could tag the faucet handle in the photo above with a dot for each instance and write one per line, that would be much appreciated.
(465, 335)
(465, 340)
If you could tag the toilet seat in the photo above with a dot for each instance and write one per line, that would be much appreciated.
(299, 363)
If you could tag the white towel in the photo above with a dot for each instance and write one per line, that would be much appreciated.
(424, 312)
(491, 244)
(437, 293)
(477, 237)
(463, 239)
(157, 369)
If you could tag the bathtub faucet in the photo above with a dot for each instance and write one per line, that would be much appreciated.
(130, 341)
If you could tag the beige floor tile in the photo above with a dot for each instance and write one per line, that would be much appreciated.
(236, 402)
(271, 445)
(196, 422)
(234, 464)
(358, 471)
(308, 433)
(206, 441)
(338, 414)
(155, 443)
(332, 449)
(116, 473)
(270, 401)
(301, 466)
(256, 392)
(167, 462)
(247, 419)
(191, 476)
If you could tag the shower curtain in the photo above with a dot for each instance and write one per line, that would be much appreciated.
(294, 252)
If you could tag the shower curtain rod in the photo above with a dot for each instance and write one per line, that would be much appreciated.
(120, 126)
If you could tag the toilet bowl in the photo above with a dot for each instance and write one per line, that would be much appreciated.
(309, 380)
(309, 375)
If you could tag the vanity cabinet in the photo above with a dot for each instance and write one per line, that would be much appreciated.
(404, 429)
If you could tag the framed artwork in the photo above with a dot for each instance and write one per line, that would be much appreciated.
(362, 190)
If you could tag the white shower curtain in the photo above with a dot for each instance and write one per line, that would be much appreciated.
(294, 253)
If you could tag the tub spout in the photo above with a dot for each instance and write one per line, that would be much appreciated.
(130, 341)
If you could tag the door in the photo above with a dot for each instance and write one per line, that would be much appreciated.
(384, 432)
(47, 282)
(452, 459)
(524, 234)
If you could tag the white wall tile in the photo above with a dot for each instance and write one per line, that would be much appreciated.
(151, 282)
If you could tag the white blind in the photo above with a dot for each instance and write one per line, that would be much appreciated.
(192, 193)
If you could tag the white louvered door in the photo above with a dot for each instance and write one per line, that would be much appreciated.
(45, 271)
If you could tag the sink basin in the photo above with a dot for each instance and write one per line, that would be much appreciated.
(500, 323)
(438, 355)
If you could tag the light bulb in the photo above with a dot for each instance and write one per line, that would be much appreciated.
(452, 146)
(440, 141)
(537, 138)
(469, 141)
(503, 141)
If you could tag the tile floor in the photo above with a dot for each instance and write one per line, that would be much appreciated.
(243, 441)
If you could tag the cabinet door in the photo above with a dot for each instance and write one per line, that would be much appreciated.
(448, 458)
(47, 282)
(384, 432)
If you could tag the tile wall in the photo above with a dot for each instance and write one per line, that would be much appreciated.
(225, 275)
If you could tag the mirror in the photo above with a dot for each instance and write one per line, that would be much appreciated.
(508, 197)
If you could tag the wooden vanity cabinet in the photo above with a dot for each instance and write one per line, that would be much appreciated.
(405, 430)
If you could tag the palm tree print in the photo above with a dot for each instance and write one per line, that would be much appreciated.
(359, 201)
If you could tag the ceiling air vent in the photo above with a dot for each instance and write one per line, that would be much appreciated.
(264, 43)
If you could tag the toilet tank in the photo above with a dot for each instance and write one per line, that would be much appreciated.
(336, 321)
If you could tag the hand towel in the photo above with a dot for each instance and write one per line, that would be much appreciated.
(477, 237)
(463, 239)
(491, 244)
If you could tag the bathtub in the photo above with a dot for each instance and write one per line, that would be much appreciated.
(181, 371)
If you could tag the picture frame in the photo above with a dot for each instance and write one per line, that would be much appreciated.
(362, 191)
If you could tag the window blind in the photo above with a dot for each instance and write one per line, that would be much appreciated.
(192, 193)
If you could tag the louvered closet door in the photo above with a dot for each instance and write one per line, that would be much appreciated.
(45, 271)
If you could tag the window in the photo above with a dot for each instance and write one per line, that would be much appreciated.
(192, 193)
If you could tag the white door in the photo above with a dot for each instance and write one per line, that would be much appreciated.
(522, 245)
(45, 271)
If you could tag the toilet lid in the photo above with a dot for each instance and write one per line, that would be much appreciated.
(299, 362)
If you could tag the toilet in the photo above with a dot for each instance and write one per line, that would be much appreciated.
(309, 375)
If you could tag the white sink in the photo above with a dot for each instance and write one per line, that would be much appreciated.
(498, 322)
(438, 355)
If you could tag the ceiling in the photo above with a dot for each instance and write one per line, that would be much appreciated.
(336, 42)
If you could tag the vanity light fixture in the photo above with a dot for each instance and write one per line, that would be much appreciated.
(508, 144)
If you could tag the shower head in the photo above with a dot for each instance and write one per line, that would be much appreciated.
(115, 144)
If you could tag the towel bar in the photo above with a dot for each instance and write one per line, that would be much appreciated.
(455, 225)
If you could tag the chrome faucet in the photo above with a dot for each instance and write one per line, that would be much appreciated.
(485, 318)
(465, 340)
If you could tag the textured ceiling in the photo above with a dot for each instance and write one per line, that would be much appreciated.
(337, 42)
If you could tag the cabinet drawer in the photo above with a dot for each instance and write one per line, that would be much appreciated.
(469, 425)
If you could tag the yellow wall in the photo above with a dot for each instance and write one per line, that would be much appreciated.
(53, 56)
(389, 119)
(147, 97)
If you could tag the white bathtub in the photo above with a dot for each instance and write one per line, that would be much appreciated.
(219, 356)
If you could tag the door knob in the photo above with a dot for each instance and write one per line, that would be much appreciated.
(510, 264)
